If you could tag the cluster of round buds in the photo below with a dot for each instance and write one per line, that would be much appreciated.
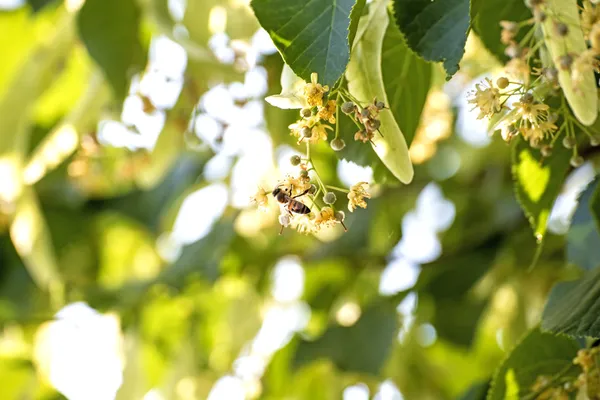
(367, 117)
(517, 67)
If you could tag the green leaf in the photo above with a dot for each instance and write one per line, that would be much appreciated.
(476, 392)
(486, 22)
(437, 31)
(537, 354)
(583, 239)
(312, 35)
(538, 181)
(109, 30)
(362, 347)
(448, 282)
(365, 82)
(355, 14)
(573, 307)
(406, 79)
(33, 243)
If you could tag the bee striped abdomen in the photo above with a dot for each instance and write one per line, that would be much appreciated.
(298, 208)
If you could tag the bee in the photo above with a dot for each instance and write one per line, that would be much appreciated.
(282, 195)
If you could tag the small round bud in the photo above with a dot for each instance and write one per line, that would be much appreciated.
(380, 105)
(306, 132)
(365, 113)
(512, 51)
(595, 141)
(313, 189)
(295, 160)
(569, 142)
(372, 125)
(305, 112)
(337, 144)
(303, 173)
(539, 15)
(339, 216)
(510, 26)
(551, 74)
(565, 62)
(553, 117)
(576, 161)
(502, 82)
(284, 219)
(561, 29)
(527, 98)
(546, 150)
(329, 198)
(348, 107)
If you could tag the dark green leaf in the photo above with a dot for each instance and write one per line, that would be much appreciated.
(538, 181)
(573, 307)
(406, 79)
(37, 5)
(457, 320)
(583, 239)
(537, 354)
(437, 31)
(476, 392)
(355, 14)
(312, 36)
(110, 31)
(448, 282)
(362, 347)
(487, 22)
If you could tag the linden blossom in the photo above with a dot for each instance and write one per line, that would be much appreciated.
(312, 127)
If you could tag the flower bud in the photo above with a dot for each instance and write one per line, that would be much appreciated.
(502, 82)
(561, 29)
(565, 62)
(539, 15)
(380, 105)
(305, 112)
(546, 151)
(595, 141)
(337, 144)
(569, 142)
(303, 173)
(513, 51)
(329, 198)
(348, 107)
(295, 160)
(576, 161)
(313, 189)
(527, 98)
(365, 113)
(339, 216)
(306, 132)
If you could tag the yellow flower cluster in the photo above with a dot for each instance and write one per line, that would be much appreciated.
(310, 126)
(357, 196)
(316, 113)
(314, 91)
(486, 98)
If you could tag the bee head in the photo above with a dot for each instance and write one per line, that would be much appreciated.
(280, 189)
